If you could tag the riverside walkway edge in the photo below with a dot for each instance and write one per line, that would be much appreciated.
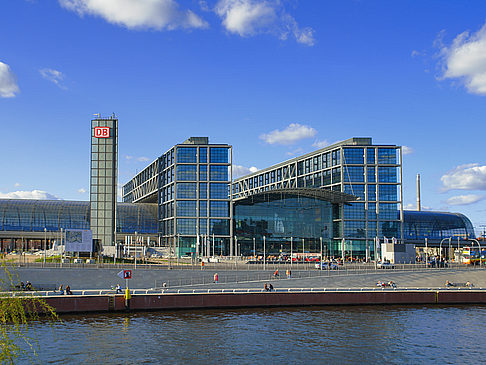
(222, 300)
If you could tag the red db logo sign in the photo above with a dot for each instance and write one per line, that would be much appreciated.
(127, 274)
(102, 132)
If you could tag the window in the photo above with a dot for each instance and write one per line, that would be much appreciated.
(203, 190)
(387, 192)
(203, 208)
(186, 208)
(203, 226)
(203, 172)
(327, 177)
(387, 156)
(371, 174)
(218, 191)
(370, 156)
(219, 226)
(186, 226)
(388, 211)
(336, 175)
(218, 155)
(203, 154)
(387, 174)
(186, 172)
(186, 154)
(371, 192)
(354, 211)
(353, 156)
(186, 190)
(218, 173)
(353, 174)
(356, 190)
(218, 209)
(372, 211)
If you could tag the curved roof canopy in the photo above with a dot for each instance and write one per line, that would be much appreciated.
(316, 193)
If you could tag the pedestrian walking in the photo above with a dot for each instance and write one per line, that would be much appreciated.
(275, 274)
(216, 278)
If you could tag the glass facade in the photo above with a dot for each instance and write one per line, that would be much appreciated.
(302, 220)
(103, 181)
(355, 166)
(35, 215)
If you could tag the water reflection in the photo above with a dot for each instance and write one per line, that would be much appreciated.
(291, 335)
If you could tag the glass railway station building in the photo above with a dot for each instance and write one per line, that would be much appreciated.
(344, 195)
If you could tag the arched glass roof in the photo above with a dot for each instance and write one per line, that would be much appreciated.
(34, 215)
(436, 226)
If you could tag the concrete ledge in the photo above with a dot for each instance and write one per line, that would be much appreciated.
(147, 302)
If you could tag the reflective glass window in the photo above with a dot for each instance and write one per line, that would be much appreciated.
(371, 174)
(356, 190)
(203, 154)
(218, 173)
(387, 156)
(387, 192)
(372, 192)
(353, 173)
(186, 208)
(387, 174)
(218, 191)
(354, 211)
(219, 226)
(203, 172)
(370, 156)
(203, 208)
(186, 226)
(218, 155)
(353, 156)
(203, 190)
(218, 209)
(186, 154)
(186, 172)
(186, 190)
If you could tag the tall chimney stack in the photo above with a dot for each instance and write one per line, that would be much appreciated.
(418, 193)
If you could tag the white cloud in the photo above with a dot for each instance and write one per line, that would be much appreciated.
(320, 144)
(53, 76)
(82, 190)
(239, 170)
(407, 150)
(464, 199)
(17, 184)
(465, 177)
(411, 206)
(293, 133)
(250, 17)
(34, 194)
(139, 159)
(8, 82)
(465, 59)
(138, 14)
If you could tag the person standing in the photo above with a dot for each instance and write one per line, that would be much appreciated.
(216, 278)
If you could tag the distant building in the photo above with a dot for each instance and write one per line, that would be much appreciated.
(103, 180)
(355, 166)
(190, 183)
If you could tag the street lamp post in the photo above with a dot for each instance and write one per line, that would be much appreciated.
(136, 240)
(264, 256)
(321, 251)
(45, 243)
(291, 249)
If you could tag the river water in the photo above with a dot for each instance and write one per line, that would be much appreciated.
(311, 335)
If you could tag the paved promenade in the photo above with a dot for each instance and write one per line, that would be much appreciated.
(104, 278)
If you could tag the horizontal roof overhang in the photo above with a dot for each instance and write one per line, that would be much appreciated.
(334, 197)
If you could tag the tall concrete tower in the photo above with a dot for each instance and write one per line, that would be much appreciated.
(419, 208)
(103, 182)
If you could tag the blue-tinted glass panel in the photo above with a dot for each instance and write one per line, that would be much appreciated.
(186, 226)
(186, 154)
(219, 226)
(354, 211)
(370, 156)
(371, 174)
(218, 173)
(353, 174)
(387, 174)
(186, 172)
(218, 209)
(203, 172)
(186, 208)
(353, 156)
(186, 190)
(388, 211)
(387, 192)
(218, 155)
(203, 154)
(354, 229)
(387, 156)
(372, 211)
(218, 191)
(203, 208)
(203, 190)
(356, 190)
(203, 227)
(372, 192)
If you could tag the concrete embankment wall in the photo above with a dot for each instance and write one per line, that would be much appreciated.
(106, 303)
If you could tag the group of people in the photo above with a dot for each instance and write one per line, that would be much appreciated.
(382, 284)
(27, 286)
(268, 287)
(288, 273)
(66, 290)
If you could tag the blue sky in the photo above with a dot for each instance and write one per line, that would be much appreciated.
(273, 78)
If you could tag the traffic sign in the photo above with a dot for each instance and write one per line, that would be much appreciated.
(125, 274)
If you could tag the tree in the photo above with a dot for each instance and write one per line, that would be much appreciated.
(17, 311)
